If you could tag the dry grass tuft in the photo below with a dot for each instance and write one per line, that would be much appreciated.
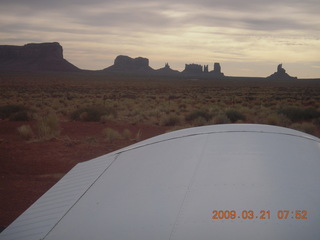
(48, 127)
(127, 134)
(111, 134)
(25, 132)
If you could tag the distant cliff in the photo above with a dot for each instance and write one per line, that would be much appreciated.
(34, 57)
(193, 69)
(199, 70)
(127, 64)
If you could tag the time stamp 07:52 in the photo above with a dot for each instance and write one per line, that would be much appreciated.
(262, 214)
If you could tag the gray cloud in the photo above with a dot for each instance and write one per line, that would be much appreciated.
(272, 24)
(143, 13)
(131, 19)
(228, 29)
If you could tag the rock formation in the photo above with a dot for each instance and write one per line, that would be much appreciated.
(280, 69)
(167, 71)
(280, 74)
(34, 57)
(198, 70)
(193, 69)
(128, 64)
(49, 57)
(217, 70)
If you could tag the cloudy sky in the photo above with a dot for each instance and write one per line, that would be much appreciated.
(247, 37)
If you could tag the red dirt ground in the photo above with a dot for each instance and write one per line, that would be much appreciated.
(29, 169)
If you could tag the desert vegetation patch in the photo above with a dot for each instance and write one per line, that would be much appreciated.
(50, 122)
(161, 101)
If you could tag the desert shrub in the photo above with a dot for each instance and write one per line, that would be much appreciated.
(111, 134)
(171, 120)
(200, 121)
(48, 126)
(93, 114)
(198, 114)
(277, 120)
(104, 118)
(221, 119)
(6, 111)
(20, 116)
(234, 116)
(25, 132)
(300, 114)
(127, 134)
(272, 119)
(306, 127)
(15, 113)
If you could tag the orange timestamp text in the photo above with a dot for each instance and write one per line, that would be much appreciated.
(262, 214)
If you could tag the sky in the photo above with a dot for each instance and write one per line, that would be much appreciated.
(247, 37)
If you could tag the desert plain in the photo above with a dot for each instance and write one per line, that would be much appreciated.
(50, 121)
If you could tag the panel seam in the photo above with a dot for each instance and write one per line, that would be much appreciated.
(192, 179)
(115, 158)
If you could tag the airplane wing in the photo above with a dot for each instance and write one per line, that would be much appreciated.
(231, 181)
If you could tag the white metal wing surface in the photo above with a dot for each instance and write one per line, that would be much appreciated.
(234, 181)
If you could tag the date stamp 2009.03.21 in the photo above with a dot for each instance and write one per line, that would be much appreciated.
(260, 214)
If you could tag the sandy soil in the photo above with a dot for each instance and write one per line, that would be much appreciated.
(29, 169)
